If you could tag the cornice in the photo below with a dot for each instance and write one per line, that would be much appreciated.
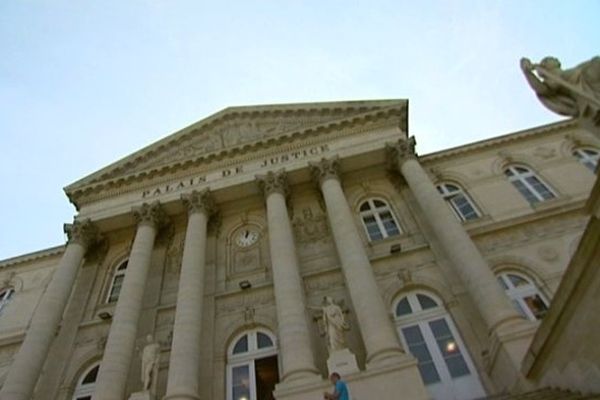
(381, 117)
(499, 140)
(52, 251)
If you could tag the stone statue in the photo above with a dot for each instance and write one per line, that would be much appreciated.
(334, 324)
(573, 92)
(150, 358)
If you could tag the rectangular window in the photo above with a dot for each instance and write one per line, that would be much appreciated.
(524, 190)
(116, 288)
(389, 224)
(539, 187)
(372, 228)
(418, 348)
(536, 305)
(449, 348)
(464, 208)
(240, 382)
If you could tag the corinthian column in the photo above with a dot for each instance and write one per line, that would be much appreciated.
(184, 365)
(465, 258)
(297, 358)
(26, 367)
(380, 338)
(120, 345)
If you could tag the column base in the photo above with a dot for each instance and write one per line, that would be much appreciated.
(374, 383)
(343, 362)
(143, 395)
(508, 346)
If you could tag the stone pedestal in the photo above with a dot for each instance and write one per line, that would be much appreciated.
(143, 395)
(343, 362)
(378, 382)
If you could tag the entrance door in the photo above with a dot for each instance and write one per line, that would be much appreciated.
(252, 371)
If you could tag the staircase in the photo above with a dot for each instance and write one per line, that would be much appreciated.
(544, 394)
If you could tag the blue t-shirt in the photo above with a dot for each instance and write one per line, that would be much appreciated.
(342, 390)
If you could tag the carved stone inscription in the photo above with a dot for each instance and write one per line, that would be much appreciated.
(232, 171)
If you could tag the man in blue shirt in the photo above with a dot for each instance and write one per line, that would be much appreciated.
(340, 390)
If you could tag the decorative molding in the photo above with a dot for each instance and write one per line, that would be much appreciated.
(274, 182)
(325, 169)
(199, 201)
(349, 118)
(82, 232)
(501, 140)
(150, 214)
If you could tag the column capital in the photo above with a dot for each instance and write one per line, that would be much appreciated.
(325, 169)
(150, 214)
(274, 182)
(82, 232)
(199, 201)
(401, 151)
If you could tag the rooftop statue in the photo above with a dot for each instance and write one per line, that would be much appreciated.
(573, 92)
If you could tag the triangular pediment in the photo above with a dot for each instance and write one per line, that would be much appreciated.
(232, 128)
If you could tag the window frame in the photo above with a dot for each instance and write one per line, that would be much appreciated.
(517, 294)
(6, 296)
(376, 213)
(590, 162)
(520, 182)
(449, 196)
(83, 390)
(118, 272)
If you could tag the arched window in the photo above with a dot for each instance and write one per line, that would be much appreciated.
(378, 219)
(528, 184)
(459, 202)
(524, 294)
(428, 332)
(252, 368)
(6, 295)
(86, 384)
(117, 282)
(588, 157)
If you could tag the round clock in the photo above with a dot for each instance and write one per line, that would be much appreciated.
(246, 237)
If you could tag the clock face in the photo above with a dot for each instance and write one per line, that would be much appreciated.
(246, 237)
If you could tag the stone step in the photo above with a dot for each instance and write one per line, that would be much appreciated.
(544, 394)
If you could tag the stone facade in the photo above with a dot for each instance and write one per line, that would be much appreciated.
(245, 221)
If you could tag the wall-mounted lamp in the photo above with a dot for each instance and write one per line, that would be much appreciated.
(396, 248)
(245, 285)
(105, 315)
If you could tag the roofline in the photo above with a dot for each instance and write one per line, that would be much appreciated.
(51, 251)
(480, 144)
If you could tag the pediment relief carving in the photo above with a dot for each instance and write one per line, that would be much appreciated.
(238, 129)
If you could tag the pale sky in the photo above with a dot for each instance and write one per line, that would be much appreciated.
(84, 83)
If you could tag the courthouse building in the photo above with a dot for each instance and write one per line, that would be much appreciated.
(222, 241)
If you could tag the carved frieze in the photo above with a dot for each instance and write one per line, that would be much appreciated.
(311, 228)
(245, 302)
(175, 254)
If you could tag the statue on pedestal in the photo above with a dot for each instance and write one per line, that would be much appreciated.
(332, 324)
(573, 92)
(150, 359)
